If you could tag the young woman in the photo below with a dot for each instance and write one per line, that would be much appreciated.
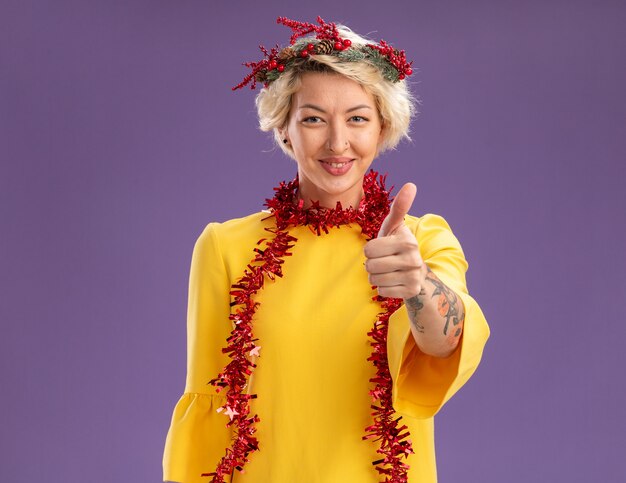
(326, 332)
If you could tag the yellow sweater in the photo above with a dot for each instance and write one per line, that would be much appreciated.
(312, 379)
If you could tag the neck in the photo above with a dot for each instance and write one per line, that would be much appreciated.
(348, 199)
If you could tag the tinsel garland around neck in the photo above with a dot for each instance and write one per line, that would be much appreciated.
(288, 210)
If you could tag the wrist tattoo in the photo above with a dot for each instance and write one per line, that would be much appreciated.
(413, 306)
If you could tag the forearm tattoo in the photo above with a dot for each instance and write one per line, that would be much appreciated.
(448, 306)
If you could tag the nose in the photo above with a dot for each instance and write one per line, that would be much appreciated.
(337, 138)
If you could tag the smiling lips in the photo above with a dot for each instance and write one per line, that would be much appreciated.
(337, 166)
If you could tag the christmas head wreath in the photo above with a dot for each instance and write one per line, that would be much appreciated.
(327, 40)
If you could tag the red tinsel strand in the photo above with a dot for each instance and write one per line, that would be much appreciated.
(236, 374)
(288, 210)
(393, 440)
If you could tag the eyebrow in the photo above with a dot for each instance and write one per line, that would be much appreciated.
(317, 108)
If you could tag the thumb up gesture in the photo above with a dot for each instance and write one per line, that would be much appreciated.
(393, 260)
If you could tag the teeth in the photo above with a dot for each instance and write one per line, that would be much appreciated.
(337, 165)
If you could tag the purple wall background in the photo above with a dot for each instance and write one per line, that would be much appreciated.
(120, 140)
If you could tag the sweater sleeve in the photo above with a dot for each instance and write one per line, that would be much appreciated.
(423, 383)
(198, 435)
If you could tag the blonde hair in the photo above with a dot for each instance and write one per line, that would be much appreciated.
(396, 105)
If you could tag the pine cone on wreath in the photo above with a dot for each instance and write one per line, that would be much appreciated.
(325, 47)
(286, 54)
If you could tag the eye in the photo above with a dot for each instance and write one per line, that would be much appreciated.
(311, 120)
(359, 119)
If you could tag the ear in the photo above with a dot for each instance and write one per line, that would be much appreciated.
(280, 135)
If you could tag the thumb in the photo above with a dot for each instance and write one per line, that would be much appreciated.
(400, 207)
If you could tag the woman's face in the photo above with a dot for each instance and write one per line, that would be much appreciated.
(334, 130)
